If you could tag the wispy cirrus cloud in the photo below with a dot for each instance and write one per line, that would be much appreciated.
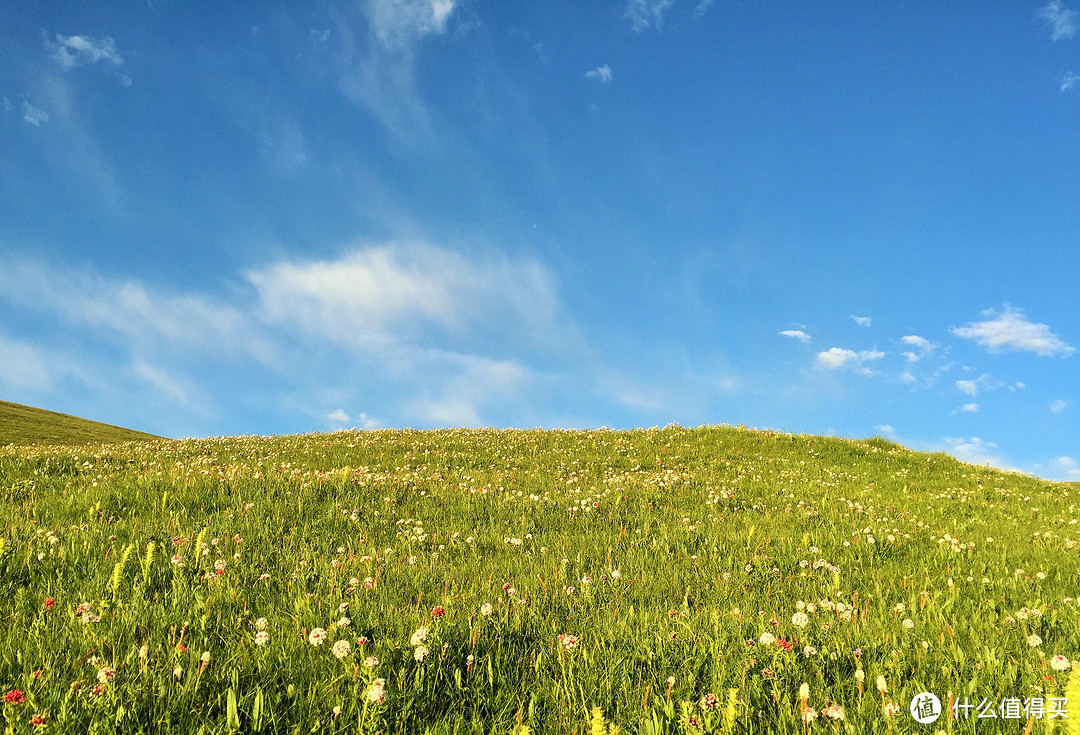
(1062, 21)
(862, 321)
(34, 115)
(1011, 330)
(1069, 80)
(23, 366)
(72, 51)
(377, 45)
(601, 74)
(644, 14)
(796, 334)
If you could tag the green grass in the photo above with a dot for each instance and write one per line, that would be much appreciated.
(26, 425)
(748, 564)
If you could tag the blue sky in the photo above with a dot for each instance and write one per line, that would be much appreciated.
(817, 217)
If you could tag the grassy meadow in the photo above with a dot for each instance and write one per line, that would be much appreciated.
(711, 580)
(27, 425)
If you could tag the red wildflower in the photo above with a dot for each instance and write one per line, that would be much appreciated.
(438, 611)
(15, 696)
(784, 644)
(37, 720)
(49, 602)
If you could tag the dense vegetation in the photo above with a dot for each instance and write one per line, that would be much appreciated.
(707, 580)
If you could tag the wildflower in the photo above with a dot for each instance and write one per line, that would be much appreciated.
(833, 712)
(804, 692)
(616, 574)
(343, 607)
(418, 636)
(800, 620)
(376, 693)
(362, 640)
(49, 602)
(880, 683)
(486, 609)
(316, 636)
(767, 639)
(808, 714)
(908, 623)
(860, 675)
(586, 580)
(344, 622)
(420, 653)
(809, 651)
(178, 672)
(710, 701)
(37, 720)
(569, 590)
(205, 658)
(891, 708)
(469, 661)
(341, 649)
(14, 696)
(438, 611)
(337, 710)
(1034, 641)
(260, 624)
(568, 641)
(105, 673)
(261, 637)
(1060, 663)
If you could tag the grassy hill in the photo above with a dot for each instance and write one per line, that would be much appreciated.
(691, 581)
(26, 425)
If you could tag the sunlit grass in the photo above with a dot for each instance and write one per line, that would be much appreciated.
(678, 580)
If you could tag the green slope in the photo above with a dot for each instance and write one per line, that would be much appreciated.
(27, 425)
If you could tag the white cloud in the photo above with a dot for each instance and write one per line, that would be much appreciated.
(982, 383)
(862, 321)
(377, 63)
(976, 451)
(601, 73)
(1067, 468)
(34, 115)
(1061, 20)
(72, 51)
(968, 386)
(162, 382)
(646, 13)
(797, 334)
(23, 366)
(132, 310)
(399, 23)
(1059, 405)
(361, 420)
(1011, 330)
(885, 428)
(923, 345)
(1069, 80)
(970, 408)
(702, 7)
(392, 293)
(838, 357)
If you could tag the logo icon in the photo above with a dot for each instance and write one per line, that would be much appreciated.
(925, 708)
